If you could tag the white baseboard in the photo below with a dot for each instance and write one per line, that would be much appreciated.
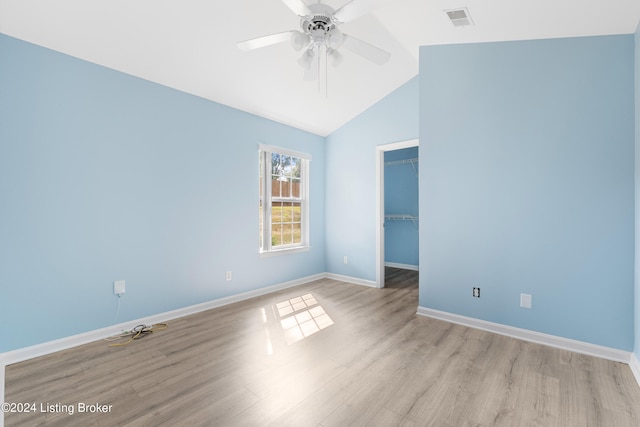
(532, 336)
(634, 364)
(354, 280)
(402, 266)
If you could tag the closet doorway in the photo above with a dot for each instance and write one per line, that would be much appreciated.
(393, 219)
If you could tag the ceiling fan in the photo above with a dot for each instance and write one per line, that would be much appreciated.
(320, 37)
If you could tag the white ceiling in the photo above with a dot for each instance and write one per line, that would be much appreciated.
(190, 45)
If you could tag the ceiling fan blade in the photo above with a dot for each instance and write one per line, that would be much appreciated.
(298, 7)
(356, 9)
(265, 40)
(364, 49)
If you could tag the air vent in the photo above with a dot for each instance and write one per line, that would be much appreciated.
(459, 17)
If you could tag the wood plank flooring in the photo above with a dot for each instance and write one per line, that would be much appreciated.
(324, 354)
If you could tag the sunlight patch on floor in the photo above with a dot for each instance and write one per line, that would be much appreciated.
(301, 317)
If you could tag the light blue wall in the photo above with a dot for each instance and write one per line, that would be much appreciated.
(401, 197)
(104, 176)
(637, 205)
(351, 179)
(527, 184)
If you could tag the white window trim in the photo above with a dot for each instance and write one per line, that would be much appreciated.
(282, 251)
(265, 151)
(273, 148)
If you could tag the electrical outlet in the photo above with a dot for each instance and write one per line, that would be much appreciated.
(525, 300)
(346, 260)
(118, 287)
(228, 275)
(476, 292)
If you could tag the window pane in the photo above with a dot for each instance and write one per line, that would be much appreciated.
(285, 164)
(275, 164)
(287, 234)
(285, 185)
(295, 188)
(276, 234)
(295, 167)
(297, 215)
(276, 212)
(275, 188)
(297, 233)
(287, 214)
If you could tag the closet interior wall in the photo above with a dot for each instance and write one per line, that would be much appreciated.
(401, 171)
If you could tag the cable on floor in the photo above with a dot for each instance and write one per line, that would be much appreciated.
(138, 332)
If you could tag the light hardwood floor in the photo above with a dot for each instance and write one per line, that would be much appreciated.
(349, 355)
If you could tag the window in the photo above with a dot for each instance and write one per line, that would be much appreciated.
(284, 202)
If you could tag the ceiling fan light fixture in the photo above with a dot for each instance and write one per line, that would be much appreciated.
(299, 40)
(335, 57)
(306, 58)
(334, 38)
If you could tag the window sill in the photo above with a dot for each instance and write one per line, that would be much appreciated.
(284, 251)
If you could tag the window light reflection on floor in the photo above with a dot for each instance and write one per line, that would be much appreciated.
(301, 317)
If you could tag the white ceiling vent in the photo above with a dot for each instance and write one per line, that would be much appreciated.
(459, 17)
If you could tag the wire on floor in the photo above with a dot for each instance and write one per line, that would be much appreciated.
(138, 332)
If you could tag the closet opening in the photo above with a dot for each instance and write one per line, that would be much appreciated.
(397, 216)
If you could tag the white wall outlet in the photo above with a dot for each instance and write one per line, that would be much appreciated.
(118, 287)
(228, 275)
(476, 292)
(345, 260)
(525, 300)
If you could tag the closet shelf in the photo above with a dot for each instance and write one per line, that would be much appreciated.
(411, 162)
(402, 162)
(402, 217)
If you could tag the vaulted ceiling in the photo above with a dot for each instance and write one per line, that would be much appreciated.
(190, 45)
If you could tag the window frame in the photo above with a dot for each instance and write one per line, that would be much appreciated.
(265, 247)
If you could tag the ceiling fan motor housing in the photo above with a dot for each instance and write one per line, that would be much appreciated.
(321, 21)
